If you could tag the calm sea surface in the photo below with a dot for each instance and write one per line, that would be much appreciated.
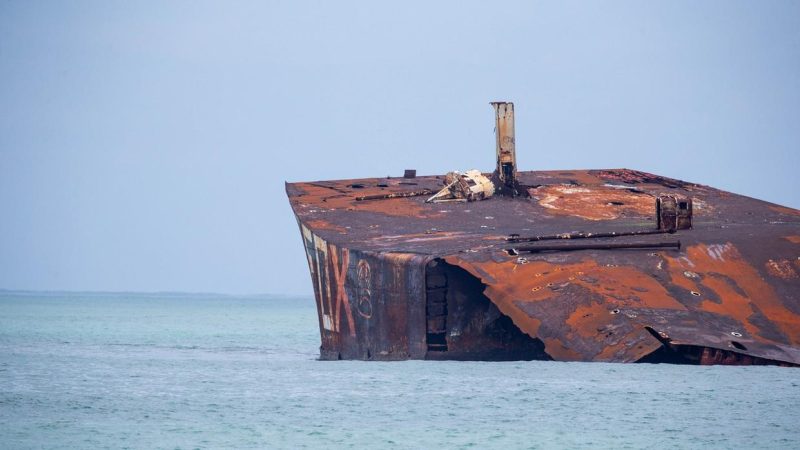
(189, 371)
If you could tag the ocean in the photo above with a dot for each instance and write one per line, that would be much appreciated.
(126, 370)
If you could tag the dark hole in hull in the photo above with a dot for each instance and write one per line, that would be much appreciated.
(698, 355)
(463, 324)
(738, 345)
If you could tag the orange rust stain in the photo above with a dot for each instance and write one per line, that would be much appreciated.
(595, 322)
(320, 224)
(494, 237)
(587, 320)
(781, 268)
(398, 259)
(338, 198)
(699, 270)
(785, 210)
(541, 280)
(608, 353)
(593, 202)
(621, 351)
(793, 239)
(510, 282)
(708, 261)
(557, 350)
(611, 353)
(733, 304)
(686, 279)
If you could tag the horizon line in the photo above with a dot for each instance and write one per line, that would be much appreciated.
(154, 293)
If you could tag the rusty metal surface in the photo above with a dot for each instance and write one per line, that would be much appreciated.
(733, 286)
(368, 303)
(506, 169)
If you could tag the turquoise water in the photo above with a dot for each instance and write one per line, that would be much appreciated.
(198, 371)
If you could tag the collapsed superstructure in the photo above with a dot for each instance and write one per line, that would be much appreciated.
(574, 265)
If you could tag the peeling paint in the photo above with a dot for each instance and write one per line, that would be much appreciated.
(781, 268)
(593, 203)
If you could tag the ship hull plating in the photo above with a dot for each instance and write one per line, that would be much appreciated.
(396, 306)
(575, 268)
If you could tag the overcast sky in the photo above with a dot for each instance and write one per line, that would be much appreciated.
(144, 145)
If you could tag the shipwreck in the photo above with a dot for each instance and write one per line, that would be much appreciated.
(611, 265)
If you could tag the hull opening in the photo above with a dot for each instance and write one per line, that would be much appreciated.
(466, 325)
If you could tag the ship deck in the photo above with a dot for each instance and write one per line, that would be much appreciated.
(732, 289)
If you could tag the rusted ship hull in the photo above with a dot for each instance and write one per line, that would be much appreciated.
(585, 265)
(397, 306)
(728, 296)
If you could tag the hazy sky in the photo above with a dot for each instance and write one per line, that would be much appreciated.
(144, 145)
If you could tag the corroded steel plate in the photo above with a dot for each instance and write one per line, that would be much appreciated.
(734, 285)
